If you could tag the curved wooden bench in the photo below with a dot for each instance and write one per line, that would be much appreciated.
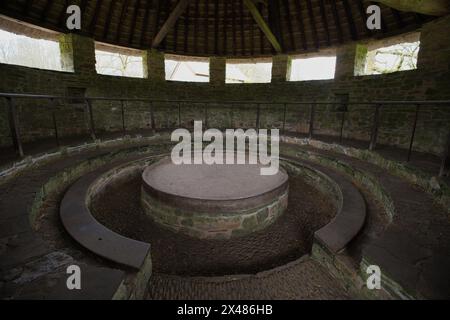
(87, 231)
(351, 211)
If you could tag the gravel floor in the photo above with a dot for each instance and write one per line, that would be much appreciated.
(287, 239)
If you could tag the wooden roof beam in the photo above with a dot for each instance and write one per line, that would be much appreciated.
(170, 22)
(429, 7)
(263, 25)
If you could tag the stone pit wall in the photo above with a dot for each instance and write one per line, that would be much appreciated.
(431, 81)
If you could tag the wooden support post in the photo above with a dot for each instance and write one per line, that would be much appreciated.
(413, 133)
(311, 120)
(14, 127)
(90, 119)
(284, 118)
(376, 124)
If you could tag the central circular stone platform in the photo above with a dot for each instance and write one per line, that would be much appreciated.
(213, 201)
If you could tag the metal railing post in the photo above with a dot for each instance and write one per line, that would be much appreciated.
(179, 114)
(445, 156)
(341, 133)
(413, 133)
(311, 120)
(258, 113)
(14, 126)
(152, 118)
(124, 130)
(55, 127)
(206, 115)
(90, 119)
(376, 124)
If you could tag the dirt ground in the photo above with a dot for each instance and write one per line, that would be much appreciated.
(289, 238)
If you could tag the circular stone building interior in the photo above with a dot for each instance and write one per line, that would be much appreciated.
(212, 149)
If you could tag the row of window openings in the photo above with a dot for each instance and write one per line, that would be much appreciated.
(45, 54)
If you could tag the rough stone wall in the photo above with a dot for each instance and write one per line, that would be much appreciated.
(431, 81)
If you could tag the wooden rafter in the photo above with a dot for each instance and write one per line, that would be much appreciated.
(93, 24)
(398, 18)
(170, 22)
(27, 6)
(241, 10)
(133, 22)
(289, 23)
(224, 27)
(363, 15)
(186, 30)
(275, 21)
(351, 22)
(312, 21)
(301, 24)
(206, 26)
(145, 24)
(263, 25)
(261, 33)
(121, 19)
(62, 14)
(233, 25)
(112, 5)
(216, 26)
(46, 10)
(337, 21)
(196, 17)
(167, 10)
(323, 14)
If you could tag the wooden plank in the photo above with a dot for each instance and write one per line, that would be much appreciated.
(263, 25)
(170, 22)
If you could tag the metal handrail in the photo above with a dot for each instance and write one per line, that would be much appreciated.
(374, 102)
(377, 104)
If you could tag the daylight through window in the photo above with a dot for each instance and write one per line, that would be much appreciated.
(116, 62)
(186, 69)
(29, 52)
(316, 68)
(241, 71)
